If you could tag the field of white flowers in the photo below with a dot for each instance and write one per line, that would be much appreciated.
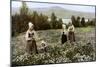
(83, 50)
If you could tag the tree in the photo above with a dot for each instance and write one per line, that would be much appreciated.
(73, 20)
(23, 9)
(24, 18)
(92, 22)
(83, 21)
(78, 24)
(53, 20)
(15, 22)
(60, 23)
(43, 22)
(35, 20)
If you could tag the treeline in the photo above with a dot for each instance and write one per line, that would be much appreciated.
(80, 21)
(41, 22)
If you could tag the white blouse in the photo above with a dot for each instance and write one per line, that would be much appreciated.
(71, 28)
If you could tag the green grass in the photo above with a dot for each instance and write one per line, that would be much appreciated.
(85, 29)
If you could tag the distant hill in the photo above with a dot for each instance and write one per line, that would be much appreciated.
(59, 11)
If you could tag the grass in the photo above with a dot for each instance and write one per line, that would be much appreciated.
(82, 50)
(85, 29)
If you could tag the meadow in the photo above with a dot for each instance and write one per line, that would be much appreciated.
(82, 50)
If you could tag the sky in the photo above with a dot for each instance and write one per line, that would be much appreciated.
(81, 8)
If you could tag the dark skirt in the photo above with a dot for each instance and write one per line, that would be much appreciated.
(31, 46)
(71, 36)
(64, 38)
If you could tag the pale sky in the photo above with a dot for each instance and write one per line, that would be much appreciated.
(81, 8)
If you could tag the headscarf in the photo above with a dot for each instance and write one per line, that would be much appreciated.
(30, 24)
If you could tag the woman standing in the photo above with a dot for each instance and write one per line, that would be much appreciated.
(64, 34)
(30, 38)
(71, 34)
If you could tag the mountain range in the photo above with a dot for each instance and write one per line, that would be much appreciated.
(59, 12)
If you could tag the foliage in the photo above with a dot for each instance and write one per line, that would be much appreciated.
(80, 22)
(83, 21)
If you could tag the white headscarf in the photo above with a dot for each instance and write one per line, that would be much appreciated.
(63, 26)
(30, 24)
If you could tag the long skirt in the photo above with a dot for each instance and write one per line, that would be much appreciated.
(63, 39)
(71, 36)
(31, 46)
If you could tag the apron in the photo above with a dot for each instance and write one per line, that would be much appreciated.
(71, 36)
(31, 44)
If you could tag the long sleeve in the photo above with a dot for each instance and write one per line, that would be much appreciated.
(73, 28)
